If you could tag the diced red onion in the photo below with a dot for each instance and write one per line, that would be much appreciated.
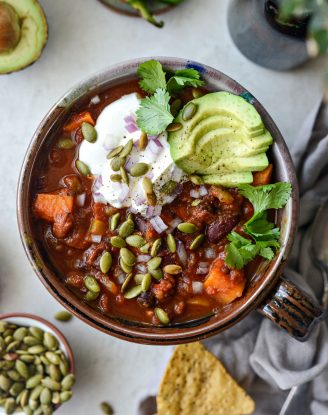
(97, 184)
(157, 142)
(121, 277)
(99, 198)
(197, 287)
(182, 253)
(130, 119)
(141, 267)
(80, 199)
(194, 193)
(158, 224)
(175, 222)
(131, 128)
(96, 238)
(129, 163)
(143, 258)
(203, 191)
(203, 264)
(210, 253)
(153, 211)
(154, 148)
(95, 100)
(202, 271)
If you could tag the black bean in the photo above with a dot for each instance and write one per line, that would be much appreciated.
(146, 299)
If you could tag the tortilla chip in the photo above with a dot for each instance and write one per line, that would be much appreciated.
(196, 383)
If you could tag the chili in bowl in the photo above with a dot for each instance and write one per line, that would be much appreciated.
(155, 202)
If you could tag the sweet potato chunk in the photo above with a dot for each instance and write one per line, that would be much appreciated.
(48, 206)
(77, 120)
(224, 287)
(263, 177)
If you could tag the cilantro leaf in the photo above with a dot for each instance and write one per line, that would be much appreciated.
(153, 115)
(260, 228)
(183, 78)
(152, 76)
(269, 196)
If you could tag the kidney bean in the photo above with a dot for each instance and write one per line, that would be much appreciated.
(221, 227)
(147, 299)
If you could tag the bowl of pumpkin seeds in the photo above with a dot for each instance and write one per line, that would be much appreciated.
(36, 366)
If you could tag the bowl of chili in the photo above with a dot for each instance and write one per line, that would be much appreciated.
(118, 260)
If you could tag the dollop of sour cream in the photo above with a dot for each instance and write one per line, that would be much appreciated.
(116, 126)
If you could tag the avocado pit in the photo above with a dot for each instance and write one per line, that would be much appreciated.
(10, 30)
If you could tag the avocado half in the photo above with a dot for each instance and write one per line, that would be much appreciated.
(23, 34)
(224, 141)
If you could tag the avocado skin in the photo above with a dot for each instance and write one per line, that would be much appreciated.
(223, 142)
(34, 36)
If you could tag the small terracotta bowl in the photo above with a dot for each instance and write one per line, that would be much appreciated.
(28, 320)
(273, 295)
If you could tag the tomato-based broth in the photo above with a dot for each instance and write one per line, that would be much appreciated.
(139, 240)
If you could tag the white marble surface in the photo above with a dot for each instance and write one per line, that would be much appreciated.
(85, 37)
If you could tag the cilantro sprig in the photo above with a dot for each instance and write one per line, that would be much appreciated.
(263, 236)
(154, 114)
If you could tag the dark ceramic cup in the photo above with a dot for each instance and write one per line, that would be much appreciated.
(267, 291)
(122, 7)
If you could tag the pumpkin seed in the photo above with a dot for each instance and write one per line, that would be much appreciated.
(143, 141)
(197, 93)
(118, 242)
(175, 107)
(65, 143)
(91, 296)
(156, 273)
(5, 383)
(138, 278)
(51, 384)
(53, 358)
(50, 341)
(189, 111)
(162, 316)
(146, 282)
(196, 202)
(154, 263)
(147, 185)
(144, 249)
(45, 396)
(169, 187)
(117, 162)
(82, 168)
(127, 149)
(27, 358)
(33, 404)
(65, 396)
(139, 169)
(187, 227)
(36, 349)
(115, 152)
(135, 240)
(171, 243)
(151, 199)
(55, 398)
(24, 398)
(13, 345)
(92, 284)
(22, 369)
(126, 228)
(46, 410)
(63, 316)
(54, 372)
(175, 126)
(44, 360)
(31, 341)
(10, 406)
(126, 282)
(36, 332)
(196, 179)
(8, 339)
(127, 256)
(133, 292)
(172, 269)
(68, 382)
(20, 333)
(3, 326)
(124, 175)
(16, 389)
(114, 221)
(116, 178)
(125, 267)
(89, 132)
(63, 367)
(2, 344)
(33, 381)
(196, 243)
(156, 247)
(105, 262)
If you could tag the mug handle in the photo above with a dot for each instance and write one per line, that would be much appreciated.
(292, 309)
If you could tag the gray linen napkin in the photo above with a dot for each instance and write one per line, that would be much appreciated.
(264, 359)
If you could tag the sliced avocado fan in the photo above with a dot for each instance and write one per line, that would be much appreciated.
(224, 141)
(23, 34)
